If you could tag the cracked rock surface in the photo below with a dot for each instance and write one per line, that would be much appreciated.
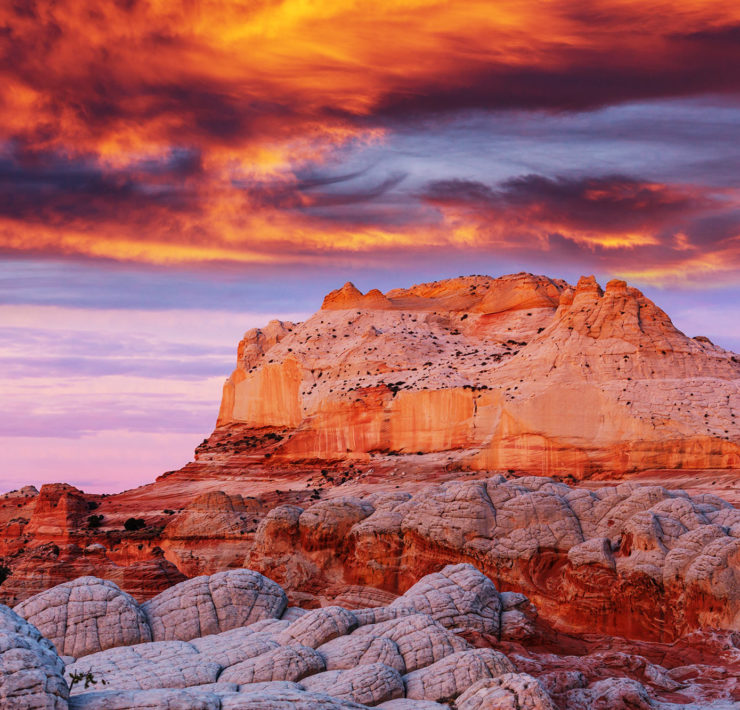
(510, 691)
(209, 604)
(410, 655)
(31, 672)
(86, 615)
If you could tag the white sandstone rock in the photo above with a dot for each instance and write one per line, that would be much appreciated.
(215, 603)
(86, 615)
(454, 674)
(510, 691)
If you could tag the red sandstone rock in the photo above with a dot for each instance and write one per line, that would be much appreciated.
(48, 565)
(59, 508)
(212, 533)
(631, 560)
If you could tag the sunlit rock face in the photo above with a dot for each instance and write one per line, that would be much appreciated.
(522, 372)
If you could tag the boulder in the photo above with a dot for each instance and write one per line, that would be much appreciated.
(284, 663)
(231, 647)
(211, 604)
(348, 652)
(611, 694)
(286, 699)
(31, 672)
(148, 666)
(420, 639)
(369, 684)
(169, 699)
(459, 597)
(318, 626)
(456, 673)
(510, 691)
(86, 615)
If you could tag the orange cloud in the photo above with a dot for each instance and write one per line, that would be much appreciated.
(134, 76)
(168, 132)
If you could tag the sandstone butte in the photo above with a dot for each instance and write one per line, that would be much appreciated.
(569, 446)
(520, 372)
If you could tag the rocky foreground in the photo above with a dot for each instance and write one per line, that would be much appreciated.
(231, 642)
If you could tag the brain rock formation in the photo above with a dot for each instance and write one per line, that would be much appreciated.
(31, 672)
(630, 559)
(406, 656)
(86, 615)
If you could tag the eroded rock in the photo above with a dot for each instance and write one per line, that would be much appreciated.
(215, 603)
(318, 626)
(86, 615)
(459, 597)
(31, 672)
(148, 666)
(369, 684)
(419, 638)
(283, 663)
(454, 674)
(169, 699)
(510, 691)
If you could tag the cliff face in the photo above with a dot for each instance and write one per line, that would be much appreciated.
(521, 372)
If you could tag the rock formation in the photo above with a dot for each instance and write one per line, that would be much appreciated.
(228, 520)
(59, 508)
(31, 672)
(207, 605)
(412, 655)
(58, 534)
(632, 560)
(375, 464)
(521, 372)
(86, 615)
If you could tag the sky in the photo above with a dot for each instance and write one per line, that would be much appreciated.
(174, 173)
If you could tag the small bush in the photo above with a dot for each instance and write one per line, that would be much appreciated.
(88, 679)
(94, 521)
(133, 524)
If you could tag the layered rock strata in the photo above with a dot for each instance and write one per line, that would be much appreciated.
(521, 372)
(58, 534)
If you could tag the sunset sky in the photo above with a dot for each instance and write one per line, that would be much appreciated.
(174, 173)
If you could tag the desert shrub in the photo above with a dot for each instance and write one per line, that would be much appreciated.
(87, 678)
